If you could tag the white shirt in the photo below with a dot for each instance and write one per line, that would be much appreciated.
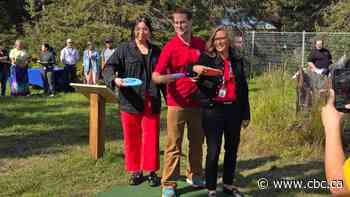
(20, 56)
(106, 54)
(69, 56)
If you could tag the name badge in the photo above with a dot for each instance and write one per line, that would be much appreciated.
(222, 92)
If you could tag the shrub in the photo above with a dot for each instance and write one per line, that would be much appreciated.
(275, 125)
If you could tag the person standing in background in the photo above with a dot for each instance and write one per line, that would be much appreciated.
(318, 61)
(4, 69)
(320, 58)
(238, 46)
(19, 82)
(91, 64)
(106, 52)
(69, 57)
(47, 60)
(238, 41)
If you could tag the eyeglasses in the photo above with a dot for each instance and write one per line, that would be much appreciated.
(220, 39)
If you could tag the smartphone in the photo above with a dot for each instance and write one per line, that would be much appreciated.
(341, 86)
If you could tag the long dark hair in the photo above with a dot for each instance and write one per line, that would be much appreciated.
(47, 46)
(140, 19)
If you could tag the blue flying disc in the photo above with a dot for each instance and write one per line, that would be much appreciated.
(177, 75)
(131, 82)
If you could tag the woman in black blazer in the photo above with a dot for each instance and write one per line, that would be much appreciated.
(225, 107)
(139, 106)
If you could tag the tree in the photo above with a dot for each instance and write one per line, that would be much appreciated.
(337, 17)
(286, 15)
(54, 20)
(82, 21)
(13, 15)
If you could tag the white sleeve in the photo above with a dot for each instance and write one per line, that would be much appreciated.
(12, 55)
(62, 55)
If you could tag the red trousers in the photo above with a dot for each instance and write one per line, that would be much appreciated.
(141, 139)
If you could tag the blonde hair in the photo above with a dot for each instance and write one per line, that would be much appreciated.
(210, 43)
(20, 43)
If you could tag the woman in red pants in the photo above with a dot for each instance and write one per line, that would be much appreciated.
(139, 105)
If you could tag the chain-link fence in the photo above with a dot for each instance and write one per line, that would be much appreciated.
(289, 49)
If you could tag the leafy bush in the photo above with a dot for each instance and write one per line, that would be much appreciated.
(275, 125)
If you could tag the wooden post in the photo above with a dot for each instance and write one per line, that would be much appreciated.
(98, 96)
(97, 125)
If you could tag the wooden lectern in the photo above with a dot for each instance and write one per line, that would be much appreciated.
(98, 95)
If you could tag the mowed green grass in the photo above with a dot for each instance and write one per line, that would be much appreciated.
(44, 145)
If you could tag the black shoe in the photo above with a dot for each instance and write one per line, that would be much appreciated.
(135, 178)
(232, 192)
(153, 180)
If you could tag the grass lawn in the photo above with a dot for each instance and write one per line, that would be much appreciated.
(44, 148)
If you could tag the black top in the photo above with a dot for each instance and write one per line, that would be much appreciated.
(47, 59)
(4, 61)
(321, 58)
(128, 61)
(209, 86)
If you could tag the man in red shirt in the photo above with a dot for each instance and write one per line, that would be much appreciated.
(181, 50)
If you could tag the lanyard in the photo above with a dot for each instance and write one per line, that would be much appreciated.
(227, 67)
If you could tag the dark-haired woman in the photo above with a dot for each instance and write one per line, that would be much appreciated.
(47, 60)
(139, 105)
(225, 107)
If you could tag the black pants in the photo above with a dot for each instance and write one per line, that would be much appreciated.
(3, 77)
(70, 76)
(222, 119)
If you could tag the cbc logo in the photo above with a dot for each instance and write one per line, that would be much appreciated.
(263, 183)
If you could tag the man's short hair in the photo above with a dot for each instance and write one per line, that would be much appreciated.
(185, 11)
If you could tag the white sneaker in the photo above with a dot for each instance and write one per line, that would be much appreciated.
(211, 193)
(196, 182)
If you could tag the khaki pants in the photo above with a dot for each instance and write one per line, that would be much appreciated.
(176, 119)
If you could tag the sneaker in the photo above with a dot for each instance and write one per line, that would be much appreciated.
(153, 180)
(212, 193)
(196, 182)
(51, 95)
(168, 191)
(232, 192)
(135, 178)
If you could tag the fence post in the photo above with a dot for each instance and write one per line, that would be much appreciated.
(303, 50)
(253, 43)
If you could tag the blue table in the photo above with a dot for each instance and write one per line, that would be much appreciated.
(36, 77)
